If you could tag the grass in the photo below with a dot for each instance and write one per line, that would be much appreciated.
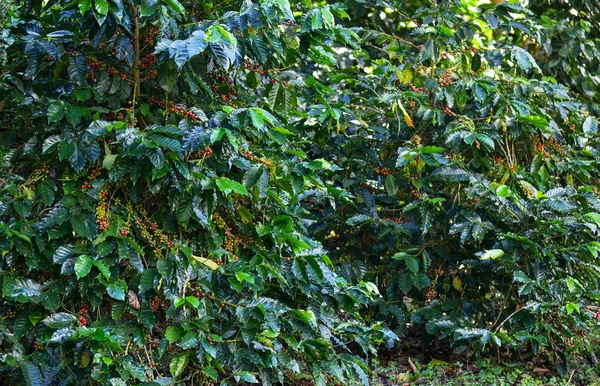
(485, 373)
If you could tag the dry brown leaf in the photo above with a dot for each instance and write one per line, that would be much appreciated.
(133, 300)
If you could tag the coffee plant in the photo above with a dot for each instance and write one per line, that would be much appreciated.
(270, 191)
(152, 230)
(474, 173)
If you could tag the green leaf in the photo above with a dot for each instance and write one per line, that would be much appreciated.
(218, 33)
(412, 264)
(257, 118)
(109, 161)
(166, 142)
(536, 120)
(84, 6)
(173, 333)
(101, 7)
(570, 307)
(327, 16)
(431, 149)
(503, 191)
(65, 150)
(193, 301)
(175, 6)
(245, 376)
(60, 320)
(594, 217)
(590, 126)
(147, 8)
(492, 254)
(103, 269)
(178, 365)
(56, 111)
(115, 291)
(83, 265)
(32, 374)
(51, 143)
(185, 210)
(524, 59)
(227, 186)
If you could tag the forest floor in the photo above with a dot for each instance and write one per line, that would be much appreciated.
(402, 370)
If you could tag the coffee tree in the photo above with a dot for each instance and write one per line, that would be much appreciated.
(151, 226)
(475, 174)
(198, 192)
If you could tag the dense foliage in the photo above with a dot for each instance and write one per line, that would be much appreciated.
(198, 192)
(475, 174)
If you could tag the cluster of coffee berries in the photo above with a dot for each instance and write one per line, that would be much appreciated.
(147, 61)
(82, 321)
(412, 104)
(398, 220)
(384, 171)
(550, 145)
(431, 293)
(183, 112)
(439, 244)
(204, 153)
(154, 343)
(155, 102)
(150, 231)
(94, 64)
(446, 110)
(446, 79)
(152, 32)
(542, 149)
(372, 188)
(415, 89)
(415, 193)
(112, 116)
(10, 314)
(42, 171)
(85, 310)
(157, 303)
(309, 200)
(102, 209)
(250, 157)
(230, 240)
(249, 65)
(219, 82)
(597, 315)
(421, 69)
(94, 173)
(37, 346)
(497, 159)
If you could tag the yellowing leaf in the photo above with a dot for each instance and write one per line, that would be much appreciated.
(207, 262)
(405, 114)
(457, 283)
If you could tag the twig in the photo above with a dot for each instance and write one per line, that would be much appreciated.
(506, 320)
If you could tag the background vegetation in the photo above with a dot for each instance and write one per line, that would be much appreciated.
(272, 191)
